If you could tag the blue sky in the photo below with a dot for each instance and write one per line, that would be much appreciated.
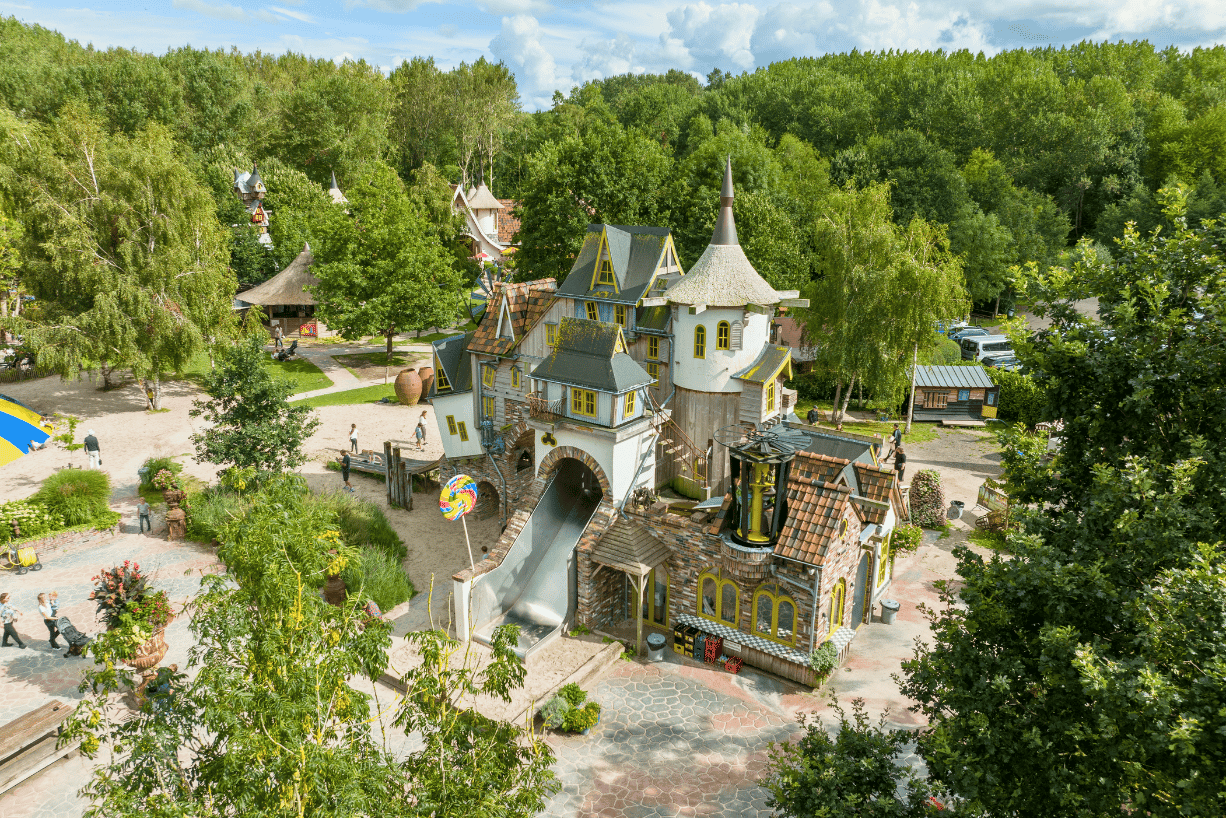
(555, 44)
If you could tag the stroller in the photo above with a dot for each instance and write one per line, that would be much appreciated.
(75, 639)
(286, 354)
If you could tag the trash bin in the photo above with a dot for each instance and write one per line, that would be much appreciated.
(889, 610)
(956, 508)
(655, 647)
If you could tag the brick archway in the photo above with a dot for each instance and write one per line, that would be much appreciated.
(554, 459)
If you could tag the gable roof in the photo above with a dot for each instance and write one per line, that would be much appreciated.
(635, 252)
(452, 355)
(525, 303)
(956, 377)
(629, 547)
(814, 511)
(287, 287)
(767, 366)
(587, 355)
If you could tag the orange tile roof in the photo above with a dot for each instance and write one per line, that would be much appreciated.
(822, 467)
(879, 483)
(508, 222)
(814, 511)
(526, 303)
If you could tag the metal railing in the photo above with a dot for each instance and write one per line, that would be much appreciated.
(541, 408)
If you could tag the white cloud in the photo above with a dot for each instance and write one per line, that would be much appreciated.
(513, 7)
(714, 35)
(297, 15)
(786, 31)
(220, 11)
(518, 44)
(607, 58)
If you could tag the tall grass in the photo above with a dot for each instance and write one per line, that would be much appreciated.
(363, 524)
(77, 496)
(379, 577)
(210, 510)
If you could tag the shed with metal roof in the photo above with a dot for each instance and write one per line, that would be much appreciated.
(954, 393)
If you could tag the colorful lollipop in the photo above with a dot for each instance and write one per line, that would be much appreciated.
(458, 497)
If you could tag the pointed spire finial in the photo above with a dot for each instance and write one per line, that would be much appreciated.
(335, 186)
(725, 224)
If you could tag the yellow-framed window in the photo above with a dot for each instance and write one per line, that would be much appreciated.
(774, 615)
(487, 407)
(838, 599)
(488, 373)
(700, 341)
(517, 377)
(551, 335)
(619, 314)
(653, 369)
(440, 379)
(653, 347)
(451, 424)
(606, 272)
(593, 314)
(770, 396)
(463, 431)
(583, 402)
(723, 335)
(719, 599)
(629, 408)
(885, 558)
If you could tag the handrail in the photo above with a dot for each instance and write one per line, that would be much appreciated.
(693, 460)
(540, 408)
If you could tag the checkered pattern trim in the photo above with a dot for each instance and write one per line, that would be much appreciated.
(747, 639)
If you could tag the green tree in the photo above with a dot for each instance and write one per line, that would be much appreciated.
(10, 267)
(128, 261)
(252, 424)
(381, 267)
(1082, 676)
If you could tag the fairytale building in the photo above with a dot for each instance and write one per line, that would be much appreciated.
(572, 405)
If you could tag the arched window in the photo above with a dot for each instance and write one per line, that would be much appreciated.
(883, 563)
(774, 614)
(723, 335)
(700, 341)
(837, 597)
(719, 599)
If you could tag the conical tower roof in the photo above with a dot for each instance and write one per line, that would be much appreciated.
(482, 199)
(723, 276)
(254, 182)
(335, 191)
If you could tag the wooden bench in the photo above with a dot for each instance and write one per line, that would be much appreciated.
(30, 743)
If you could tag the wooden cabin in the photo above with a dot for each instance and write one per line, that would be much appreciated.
(945, 393)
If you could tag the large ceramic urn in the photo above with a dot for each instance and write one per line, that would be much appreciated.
(408, 387)
(426, 373)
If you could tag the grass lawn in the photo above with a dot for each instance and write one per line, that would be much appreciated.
(370, 365)
(920, 432)
(303, 374)
(365, 394)
(438, 336)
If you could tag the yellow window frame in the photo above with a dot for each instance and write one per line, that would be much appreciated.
(583, 402)
(838, 604)
(629, 408)
(619, 314)
(885, 558)
(488, 374)
(463, 431)
(517, 377)
(718, 605)
(487, 407)
(593, 314)
(723, 335)
(551, 335)
(440, 377)
(700, 341)
(776, 599)
(653, 369)
(451, 424)
(653, 347)
(605, 274)
(770, 396)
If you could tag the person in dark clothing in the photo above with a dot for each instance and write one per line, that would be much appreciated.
(9, 615)
(44, 607)
(143, 512)
(900, 462)
(345, 470)
(813, 417)
(896, 436)
(93, 450)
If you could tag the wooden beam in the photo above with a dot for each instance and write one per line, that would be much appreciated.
(787, 294)
(759, 309)
(698, 309)
(658, 301)
(794, 302)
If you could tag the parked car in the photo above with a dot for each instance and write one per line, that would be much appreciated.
(976, 346)
(948, 328)
(967, 332)
(1007, 361)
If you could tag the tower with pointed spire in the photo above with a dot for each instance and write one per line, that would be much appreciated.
(250, 188)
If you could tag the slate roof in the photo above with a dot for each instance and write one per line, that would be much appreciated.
(815, 509)
(630, 548)
(527, 302)
(635, 252)
(508, 223)
(834, 445)
(586, 356)
(653, 319)
(767, 365)
(453, 357)
(955, 377)
(288, 287)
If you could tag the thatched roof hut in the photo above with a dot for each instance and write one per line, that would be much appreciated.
(288, 287)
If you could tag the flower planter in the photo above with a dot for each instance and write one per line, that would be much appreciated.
(150, 653)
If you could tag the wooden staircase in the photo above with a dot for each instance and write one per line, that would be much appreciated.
(673, 442)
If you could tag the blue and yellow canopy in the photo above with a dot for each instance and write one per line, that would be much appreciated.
(19, 425)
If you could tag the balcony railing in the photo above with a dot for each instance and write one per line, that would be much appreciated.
(540, 408)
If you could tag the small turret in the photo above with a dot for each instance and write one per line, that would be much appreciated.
(725, 224)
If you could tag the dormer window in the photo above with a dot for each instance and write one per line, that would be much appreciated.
(606, 272)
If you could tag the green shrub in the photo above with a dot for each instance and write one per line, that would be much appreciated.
(31, 518)
(1021, 401)
(578, 719)
(77, 496)
(822, 660)
(573, 694)
(945, 353)
(210, 510)
(906, 539)
(379, 577)
(928, 500)
(554, 711)
(156, 464)
(363, 523)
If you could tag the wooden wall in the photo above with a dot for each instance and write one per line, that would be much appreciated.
(700, 414)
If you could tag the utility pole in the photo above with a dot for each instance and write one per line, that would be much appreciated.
(911, 397)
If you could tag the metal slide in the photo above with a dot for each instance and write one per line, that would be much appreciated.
(534, 586)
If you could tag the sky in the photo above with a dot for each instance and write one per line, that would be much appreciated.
(557, 44)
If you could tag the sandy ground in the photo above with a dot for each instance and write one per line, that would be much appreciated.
(128, 435)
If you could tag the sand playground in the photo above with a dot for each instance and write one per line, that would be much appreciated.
(128, 435)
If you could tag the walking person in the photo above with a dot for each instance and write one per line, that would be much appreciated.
(420, 431)
(93, 450)
(143, 511)
(896, 436)
(345, 470)
(278, 335)
(353, 437)
(900, 462)
(9, 616)
(44, 608)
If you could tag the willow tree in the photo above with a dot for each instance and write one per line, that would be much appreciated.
(879, 292)
(126, 258)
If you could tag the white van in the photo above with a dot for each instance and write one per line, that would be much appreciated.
(977, 346)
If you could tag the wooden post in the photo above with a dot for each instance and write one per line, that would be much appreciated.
(641, 582)
(387, 471)
(911, 399)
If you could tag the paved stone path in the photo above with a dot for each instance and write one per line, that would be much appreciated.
(342, 379)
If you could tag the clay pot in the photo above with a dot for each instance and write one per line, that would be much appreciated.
(426, 373)
(408, 387)
(335, 591)
(150, 653)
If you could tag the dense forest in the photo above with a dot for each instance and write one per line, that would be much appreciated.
(1018, 156)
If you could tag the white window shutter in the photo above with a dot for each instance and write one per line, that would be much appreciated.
(734, 337)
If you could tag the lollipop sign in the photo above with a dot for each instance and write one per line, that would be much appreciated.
(458, 497)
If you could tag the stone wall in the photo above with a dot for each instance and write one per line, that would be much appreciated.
(65, 542)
